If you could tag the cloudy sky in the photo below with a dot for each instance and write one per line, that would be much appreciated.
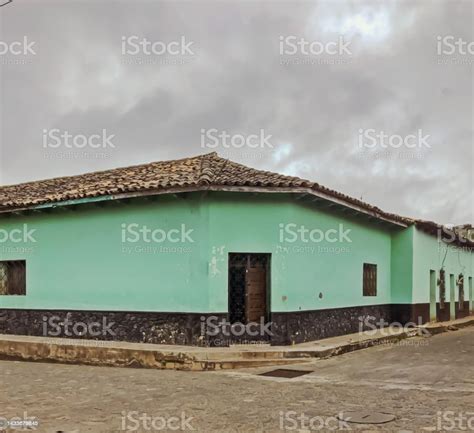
(374, 99)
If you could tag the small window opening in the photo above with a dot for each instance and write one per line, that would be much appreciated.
(370, 280)
(13, 277)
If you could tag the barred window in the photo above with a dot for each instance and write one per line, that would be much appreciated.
(13, 277)
(370, 280)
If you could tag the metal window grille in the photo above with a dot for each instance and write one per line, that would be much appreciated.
(13, 277)
(370, 280)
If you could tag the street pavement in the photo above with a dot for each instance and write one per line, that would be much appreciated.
(427, 384)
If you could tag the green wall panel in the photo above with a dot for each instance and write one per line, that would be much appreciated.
(429, 254)
(301, 271)
(79, 260)
(402, 266)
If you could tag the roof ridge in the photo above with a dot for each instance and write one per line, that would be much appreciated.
(108, 170)
(206, 174)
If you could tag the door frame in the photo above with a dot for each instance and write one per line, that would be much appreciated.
(268, 289)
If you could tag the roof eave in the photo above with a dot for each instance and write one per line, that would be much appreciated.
(401, 222)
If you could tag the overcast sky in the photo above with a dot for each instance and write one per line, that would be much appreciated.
(361, 68)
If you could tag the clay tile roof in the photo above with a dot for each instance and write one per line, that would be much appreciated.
(200, 172)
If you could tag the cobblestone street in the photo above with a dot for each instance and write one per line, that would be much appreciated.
(413, 381)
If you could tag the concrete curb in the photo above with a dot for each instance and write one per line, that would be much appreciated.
(438, 328)
(136, 355)
(92, 355)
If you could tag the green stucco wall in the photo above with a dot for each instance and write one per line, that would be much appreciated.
(79, 261)
(429, 254)
(402, 266)
(301, 271)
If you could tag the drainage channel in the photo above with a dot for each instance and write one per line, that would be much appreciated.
(285, 373)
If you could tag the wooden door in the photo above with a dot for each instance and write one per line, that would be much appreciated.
(255, 293)
(249, 287)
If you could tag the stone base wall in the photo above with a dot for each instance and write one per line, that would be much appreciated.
(302, 326)
(194, 329)
(136, 327)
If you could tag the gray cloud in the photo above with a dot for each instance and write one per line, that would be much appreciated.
(79, 81)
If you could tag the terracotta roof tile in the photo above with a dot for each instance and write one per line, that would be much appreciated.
(202, 171)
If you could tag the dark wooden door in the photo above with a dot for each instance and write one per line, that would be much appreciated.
(255, 293)
(249, 276)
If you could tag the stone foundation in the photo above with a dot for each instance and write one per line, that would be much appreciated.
(190, 328)
(302, 326)
(135, 327)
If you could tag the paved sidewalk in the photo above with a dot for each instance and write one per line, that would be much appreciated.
(123, 354)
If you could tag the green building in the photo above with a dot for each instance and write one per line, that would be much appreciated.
(178, 251)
